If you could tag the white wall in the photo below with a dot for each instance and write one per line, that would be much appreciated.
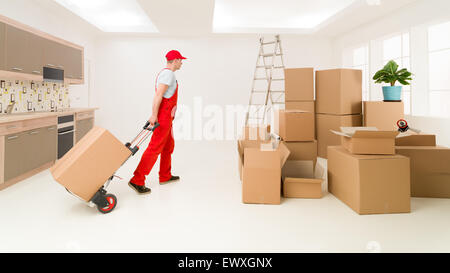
(219, 71)
(47, 16)
(412, 18)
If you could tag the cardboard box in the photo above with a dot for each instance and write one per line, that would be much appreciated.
(86, 167)
(261, 174)
(430, 170)
(325, 123)
(302, 150)
(369, 184)
(415, 140)
(241, 145)
(339, 91)
(308, 106)
(294, 125)
(297, 187)
(256, 132)
(299, 84)
(383, 115)
(367, 140)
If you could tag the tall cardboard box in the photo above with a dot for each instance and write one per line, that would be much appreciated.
(90, 163)
(308, 106)
(261, 173)
(294, 125)
(299, 84)
(325, 123)
(370, 184)
(383, 115)
(430, 170)
(339, 91)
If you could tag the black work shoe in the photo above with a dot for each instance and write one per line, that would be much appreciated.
(139, 189)
(172, 179)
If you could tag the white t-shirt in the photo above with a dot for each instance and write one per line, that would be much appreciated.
(167, 77)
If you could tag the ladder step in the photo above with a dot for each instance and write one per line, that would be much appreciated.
(270, 55)
(269, 43)
(277, 79)
(269, 67)
(260, 79)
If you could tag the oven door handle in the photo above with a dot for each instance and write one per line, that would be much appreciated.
(65, 133)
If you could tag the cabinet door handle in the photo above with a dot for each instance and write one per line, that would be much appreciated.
(51, 128)
(36, 72)
(35, 132)
(13, 137)
(17, 69)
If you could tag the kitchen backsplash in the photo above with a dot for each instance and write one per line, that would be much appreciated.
(33, 96)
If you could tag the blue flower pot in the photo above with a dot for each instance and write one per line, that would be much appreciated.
(392, 93)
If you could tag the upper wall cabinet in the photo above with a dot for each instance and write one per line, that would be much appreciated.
(25, 51)
(2, 45)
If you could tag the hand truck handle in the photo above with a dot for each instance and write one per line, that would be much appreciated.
(151, 129)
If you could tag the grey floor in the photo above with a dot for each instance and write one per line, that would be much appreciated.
(204, 213)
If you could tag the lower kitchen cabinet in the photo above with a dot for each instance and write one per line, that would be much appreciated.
(29, 150)
(83, 127)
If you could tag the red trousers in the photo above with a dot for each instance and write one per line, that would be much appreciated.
(161, 143)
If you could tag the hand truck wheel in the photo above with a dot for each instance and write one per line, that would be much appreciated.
(112, 202)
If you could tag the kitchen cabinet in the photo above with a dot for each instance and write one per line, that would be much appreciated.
(2, 46)
(14, 155)
(83, 127)
(26, 51)
(23, 51)
(29, 150)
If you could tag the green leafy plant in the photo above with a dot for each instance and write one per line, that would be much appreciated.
(390, 74)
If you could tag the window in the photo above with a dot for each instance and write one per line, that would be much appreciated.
(361, 61)
(439, 69)
(397, 48)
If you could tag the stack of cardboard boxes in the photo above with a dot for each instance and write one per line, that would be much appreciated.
(296, 127)
(338, 103)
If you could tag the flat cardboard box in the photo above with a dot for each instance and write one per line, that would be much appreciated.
(430, 170)
(86, 167)
(299, 84)
(308, 106)
(367, 140)
(339, 91)
(304, 187)
(302, 150)
(253, 132)
(325, 123)
(416, 140)
(370, 184)
(383, 115)
(294, 125)
(261, 174)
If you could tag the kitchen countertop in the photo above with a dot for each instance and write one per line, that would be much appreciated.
(6, 118)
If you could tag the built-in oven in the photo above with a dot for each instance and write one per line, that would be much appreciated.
(66, 131)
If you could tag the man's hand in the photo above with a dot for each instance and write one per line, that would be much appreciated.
(153, 120)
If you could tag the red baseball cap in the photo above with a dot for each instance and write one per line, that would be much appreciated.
(173, 55)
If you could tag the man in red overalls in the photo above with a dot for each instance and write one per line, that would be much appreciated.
(163, 112)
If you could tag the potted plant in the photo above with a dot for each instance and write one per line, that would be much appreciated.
(390, 74)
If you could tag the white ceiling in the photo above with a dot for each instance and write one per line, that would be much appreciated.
(327, 17)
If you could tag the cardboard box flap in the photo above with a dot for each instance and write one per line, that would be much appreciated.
(303, 180)
(284, 151)
(350, 131)
(375, 134)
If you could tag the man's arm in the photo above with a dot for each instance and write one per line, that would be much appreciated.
(162, 88)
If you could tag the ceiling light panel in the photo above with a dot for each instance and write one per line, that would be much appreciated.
(112, 15)
(274, 14)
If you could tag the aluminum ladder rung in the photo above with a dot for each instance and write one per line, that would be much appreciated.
(270, 55)
(269, 43)
(269, 67)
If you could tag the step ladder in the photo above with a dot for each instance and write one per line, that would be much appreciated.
(267, 61)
